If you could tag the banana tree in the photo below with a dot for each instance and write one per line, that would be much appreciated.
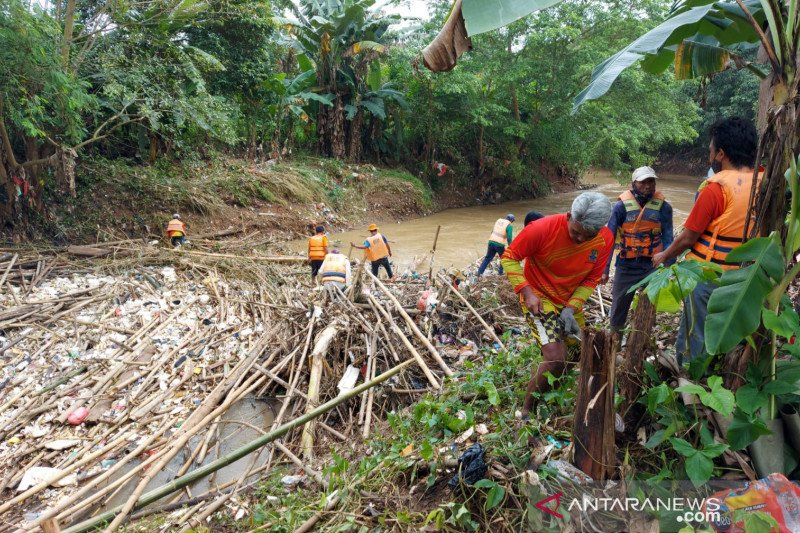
(339, 36)
(699, 38)
(292, 96)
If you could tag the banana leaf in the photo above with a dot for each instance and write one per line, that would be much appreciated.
(734, 308)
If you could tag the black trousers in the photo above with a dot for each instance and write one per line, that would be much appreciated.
(316, 264)
(381, 263)
(624, 278)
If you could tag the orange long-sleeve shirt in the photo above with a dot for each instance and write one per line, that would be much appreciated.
(557, 268)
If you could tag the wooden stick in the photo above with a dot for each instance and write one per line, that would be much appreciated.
(417, 357)
(486, 326)
(434, 352)
(433, 253)
(8, 269)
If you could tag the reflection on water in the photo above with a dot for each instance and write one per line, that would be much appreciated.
(465, 231)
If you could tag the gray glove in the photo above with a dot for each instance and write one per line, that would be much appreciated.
(568, 322)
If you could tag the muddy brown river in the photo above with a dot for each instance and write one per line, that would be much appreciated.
(465, 231)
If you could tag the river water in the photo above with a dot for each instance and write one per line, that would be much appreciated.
(465, 231)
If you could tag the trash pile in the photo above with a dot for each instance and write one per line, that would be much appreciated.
(114, 374)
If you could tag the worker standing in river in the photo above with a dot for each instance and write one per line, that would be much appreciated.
(378, 251)
(642, 221)
(502, 234)
(716, 223)
(564, 255)
(317, 250)
(335, 270)
(176, 231)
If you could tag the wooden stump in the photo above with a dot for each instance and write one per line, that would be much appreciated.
(639, 347)
(593, 428)
(735, 366)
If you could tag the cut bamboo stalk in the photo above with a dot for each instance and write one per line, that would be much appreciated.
(317, 356)
(417, 357)
(434, 352)
(371, 392)
(463, 300)
(8, 269)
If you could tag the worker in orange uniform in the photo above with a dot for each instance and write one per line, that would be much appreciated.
(176, 231)
(378, 251)
(502, 234)
(335, 271)
(564, 255)
(716, 223)
(317, 250)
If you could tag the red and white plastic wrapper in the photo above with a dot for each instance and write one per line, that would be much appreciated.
(774, 495)
(77, 416)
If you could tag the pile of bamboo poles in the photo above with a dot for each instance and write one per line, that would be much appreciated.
(159, 354)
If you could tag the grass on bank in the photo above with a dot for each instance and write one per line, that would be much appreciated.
(118, 193)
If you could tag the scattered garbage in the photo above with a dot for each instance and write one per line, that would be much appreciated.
(471, 466)
(569, 472)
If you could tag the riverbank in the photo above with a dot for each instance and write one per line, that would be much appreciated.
(280, 200)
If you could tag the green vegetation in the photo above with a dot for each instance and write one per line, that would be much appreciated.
(176, 82)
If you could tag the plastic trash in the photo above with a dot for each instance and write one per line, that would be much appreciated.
(348, 380)
(62, 444)
(774, 495)
(38, 474)
(77, 416)
(569, 472)
(291, 482)
(471, 466)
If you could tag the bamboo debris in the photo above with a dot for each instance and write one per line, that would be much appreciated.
(161, 346)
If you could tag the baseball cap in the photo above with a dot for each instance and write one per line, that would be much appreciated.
(642, 173)
(373, 227)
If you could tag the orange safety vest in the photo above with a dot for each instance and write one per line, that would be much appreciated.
(334, 268)
(640, 234)
(175, 226)
(316, 247)
(377, 248)
(726, 232)
(499, 231)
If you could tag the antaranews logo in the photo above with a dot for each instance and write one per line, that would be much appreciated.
(554, 511)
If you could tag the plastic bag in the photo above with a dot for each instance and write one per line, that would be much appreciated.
(471, 466)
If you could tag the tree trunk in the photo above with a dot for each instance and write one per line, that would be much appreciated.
(593, 427)
(354, 151)
(639, 347)
(69, 26)
(251, 145)
(481, 162)
(323, 148)
(337, 130)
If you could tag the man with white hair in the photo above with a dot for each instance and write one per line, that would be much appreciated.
(642, 218)
(564, 255)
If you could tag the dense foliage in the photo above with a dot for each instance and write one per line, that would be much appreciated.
(169, 78)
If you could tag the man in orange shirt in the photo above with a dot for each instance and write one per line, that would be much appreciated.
(716, 223)
(564, 255)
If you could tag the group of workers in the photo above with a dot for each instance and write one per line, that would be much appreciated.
(567, 255)
(333, 268)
